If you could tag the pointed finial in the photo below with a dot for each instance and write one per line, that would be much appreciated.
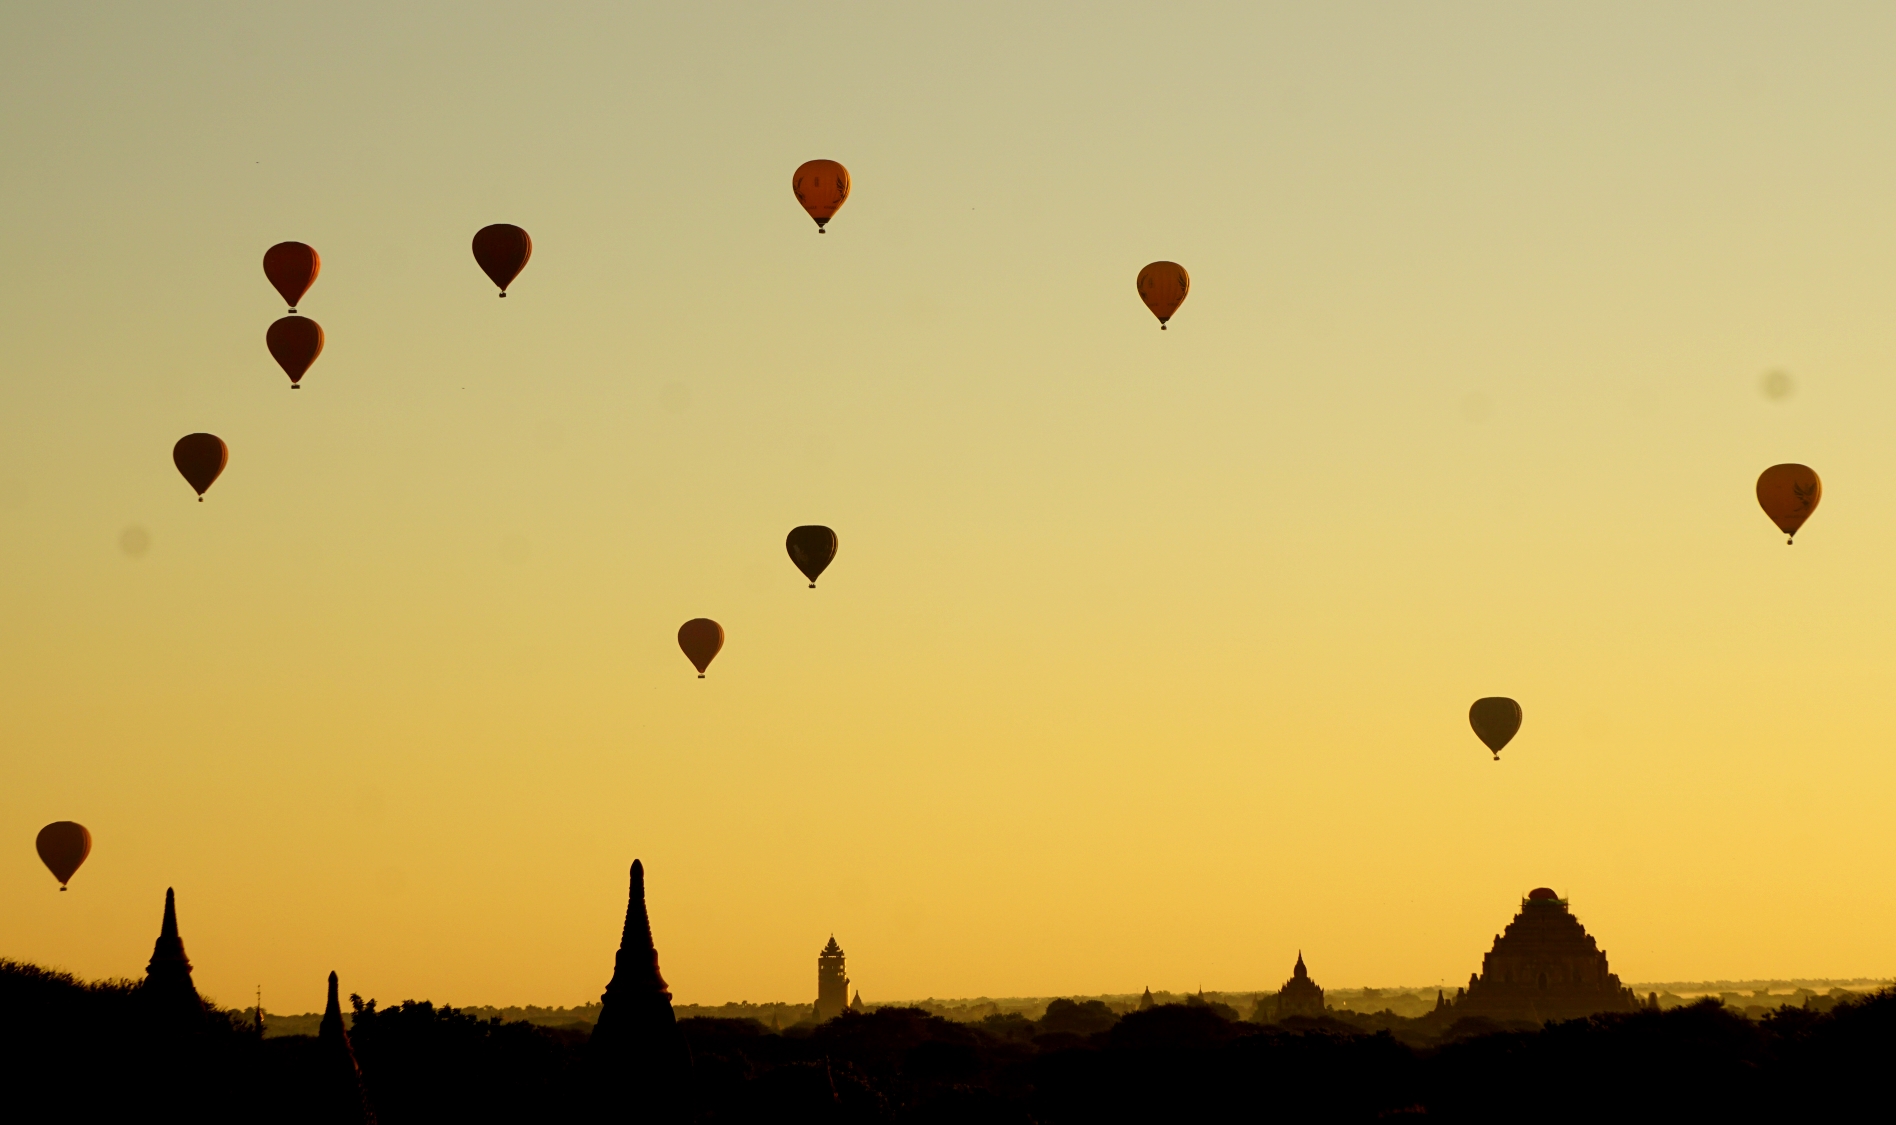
(638, 924)
(170, 927)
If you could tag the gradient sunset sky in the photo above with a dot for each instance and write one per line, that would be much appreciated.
(1147, 656)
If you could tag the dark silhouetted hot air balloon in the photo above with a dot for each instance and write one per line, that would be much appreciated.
(200, 457)
(701, 638)
(1162, 286)
(502, 250)
(292, 267)
(1495, 720)
(822, 186)
(295, 341)
(1789, 494)
(63, 846)
(812, 547)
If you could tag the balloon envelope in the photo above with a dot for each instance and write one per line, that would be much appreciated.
(1162, 286)
(701, 638)
(63, 846)
(822, 186)
(292, 267)
(295, 341)
(1495, 720)
(1789, 494)
(502, 251)
(201, 458)
(811, 547)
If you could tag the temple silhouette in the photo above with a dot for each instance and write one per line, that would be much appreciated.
(640, 1066)
(635, 1063)
(832, 983)
(1300, 996)
(170, 995)
(1544, 966)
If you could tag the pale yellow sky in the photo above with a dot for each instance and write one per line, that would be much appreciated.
(1146, 657)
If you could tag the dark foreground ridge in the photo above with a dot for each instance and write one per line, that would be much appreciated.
(126, 1051)
(87, 1053)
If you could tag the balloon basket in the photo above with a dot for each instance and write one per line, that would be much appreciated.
(701, 675)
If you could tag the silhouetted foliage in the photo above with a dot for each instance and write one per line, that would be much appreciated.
(422, 1063)
(87, 1052)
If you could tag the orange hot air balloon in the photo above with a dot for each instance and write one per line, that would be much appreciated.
(63, 845)
(295, 341)
(201, 458)
(811, 547)
(701, 638)
(822, 186)
(1162, 286)
(1789, 494)
(1495, 719)
(292, 267)
(502, 250)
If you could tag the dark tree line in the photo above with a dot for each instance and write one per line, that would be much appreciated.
(90, 1052)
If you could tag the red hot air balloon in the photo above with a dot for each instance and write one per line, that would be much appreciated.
(822, 186)
(1163, 286)
(502, 251)
(292, 267)
(295, 341)
(63, 846)
(701, 638)
(201, 458)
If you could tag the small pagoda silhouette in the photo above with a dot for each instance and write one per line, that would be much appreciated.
(640, 1066)
(171, 998)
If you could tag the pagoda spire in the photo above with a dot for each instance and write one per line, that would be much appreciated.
(635, 969)
(168, 982)
(640, 1062)
(341, 1079)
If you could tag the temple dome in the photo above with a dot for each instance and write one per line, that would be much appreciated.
(1542, 893)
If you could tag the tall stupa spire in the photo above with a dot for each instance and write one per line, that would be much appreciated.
(168, 984)
(341, 1091)
(640, 1062)
(636, 966)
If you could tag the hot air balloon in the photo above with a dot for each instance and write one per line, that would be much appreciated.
(701, 638)
(1495, 720)
(292, 267)
(295, 341)
(812, 547)
(201, 458)
(1789, 494)
(63, 846)
(1162, 286)
(502, 250)
(822, 186)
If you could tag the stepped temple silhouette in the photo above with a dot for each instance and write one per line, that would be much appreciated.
(1544, 966)
(1300, 996)
(641, 1068)
(832, 983)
